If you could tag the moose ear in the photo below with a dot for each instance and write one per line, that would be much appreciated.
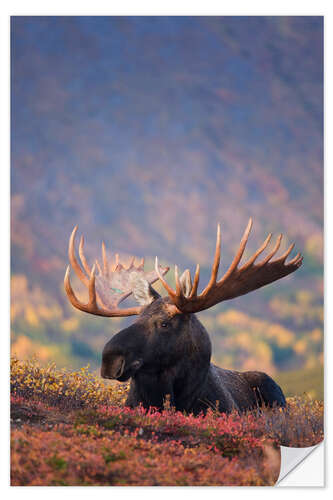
(186, 282)
(143, 292)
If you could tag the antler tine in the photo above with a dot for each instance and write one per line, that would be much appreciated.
(179, 290)
(83, 258)
(216, 263)
(239, 253)
(285, 255)
(118, 265)
(105, 260)
(131, 264)
(142, 263)
(70, 292)
(256, 254)
(117, 262)
(97, 264)
(273, 252)
(74, 300)
(195, 282)
(72, 259)
(165, 284)
(189, 277)
(92, 290)
(295, 259)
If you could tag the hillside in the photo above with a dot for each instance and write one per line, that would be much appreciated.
(146, 132)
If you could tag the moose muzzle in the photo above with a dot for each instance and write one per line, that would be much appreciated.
(113, 368)
(120, 369)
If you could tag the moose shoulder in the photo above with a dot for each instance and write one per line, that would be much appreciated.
(166, 352)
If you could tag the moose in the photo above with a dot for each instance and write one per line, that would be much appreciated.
(167, 351)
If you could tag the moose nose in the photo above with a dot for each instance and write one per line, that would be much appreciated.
(114, 368)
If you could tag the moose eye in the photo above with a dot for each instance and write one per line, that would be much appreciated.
(165, 324)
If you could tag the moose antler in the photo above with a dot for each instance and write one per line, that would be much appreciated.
(109, 286)
(236, 281)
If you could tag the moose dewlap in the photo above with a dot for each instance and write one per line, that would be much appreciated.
(167, 351)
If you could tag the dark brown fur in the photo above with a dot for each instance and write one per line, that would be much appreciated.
(167, 354)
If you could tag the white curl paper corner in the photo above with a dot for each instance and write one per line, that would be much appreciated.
(302, 466)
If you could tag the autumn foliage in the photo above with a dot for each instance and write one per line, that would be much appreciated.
(70, 428)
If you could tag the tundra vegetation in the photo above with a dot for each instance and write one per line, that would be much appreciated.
(71, 428)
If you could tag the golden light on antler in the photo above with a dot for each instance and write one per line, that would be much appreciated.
(237, 280)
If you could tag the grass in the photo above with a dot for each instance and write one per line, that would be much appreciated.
(300, 382)
(70, 428)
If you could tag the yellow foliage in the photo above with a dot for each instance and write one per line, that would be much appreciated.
(262, 357)
(316, 335)
(264, 351)
(13, 311)
(24, 348)
(243, 339)
(282, 336)
(49, 313)
(304, 297)
(233, 318)
(300, 346)
(314, 245)
(70, 324)
(32, 303)
(315, 361)
(19, 284)
(31, 316)
(78, 388)
(301, 310)
(250, 364)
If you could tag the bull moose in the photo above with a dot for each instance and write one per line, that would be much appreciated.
(167, 351)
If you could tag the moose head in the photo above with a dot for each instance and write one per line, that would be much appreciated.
(167, 351)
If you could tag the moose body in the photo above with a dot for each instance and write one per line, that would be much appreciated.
(173, 361)
(166, 353)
